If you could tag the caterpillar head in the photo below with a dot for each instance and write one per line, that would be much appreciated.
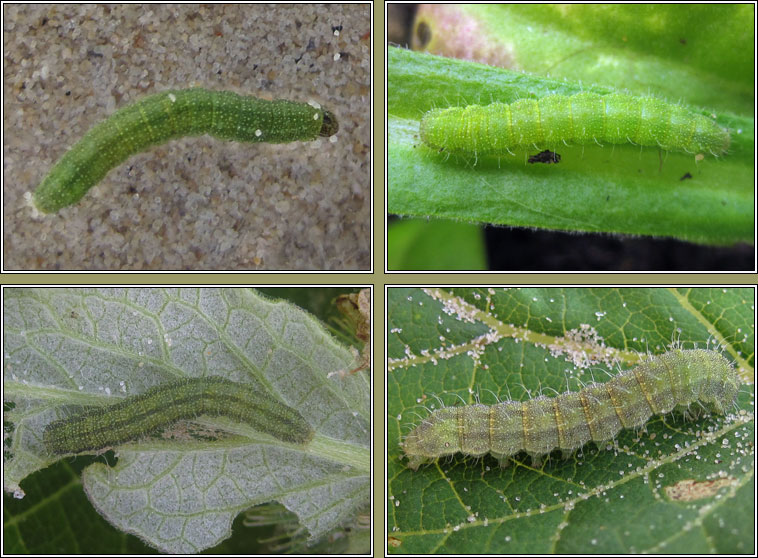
(435, 437)
(329, 125)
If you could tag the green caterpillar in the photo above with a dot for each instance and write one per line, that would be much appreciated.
(581, 119)
(138, 416)
(673, 381)
(169, 115)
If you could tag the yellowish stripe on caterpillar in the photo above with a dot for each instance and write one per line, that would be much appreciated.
(674, 381)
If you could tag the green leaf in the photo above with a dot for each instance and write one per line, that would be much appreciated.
(678, 487)
(413, 244)
(701, 54)
(83, 346)
(621, 188)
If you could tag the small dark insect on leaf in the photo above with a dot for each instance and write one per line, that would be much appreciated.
(686, 176)
(546, 156)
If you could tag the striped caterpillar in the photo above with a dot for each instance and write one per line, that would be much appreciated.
(169, 115)
(138, 416)
(674, 381)
(581, 119)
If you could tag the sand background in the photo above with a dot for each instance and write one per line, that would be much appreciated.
(196, 203)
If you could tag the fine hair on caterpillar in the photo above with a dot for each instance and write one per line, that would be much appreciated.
(583, 119)
(168, 115)
(685, 381)
(138, 416)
